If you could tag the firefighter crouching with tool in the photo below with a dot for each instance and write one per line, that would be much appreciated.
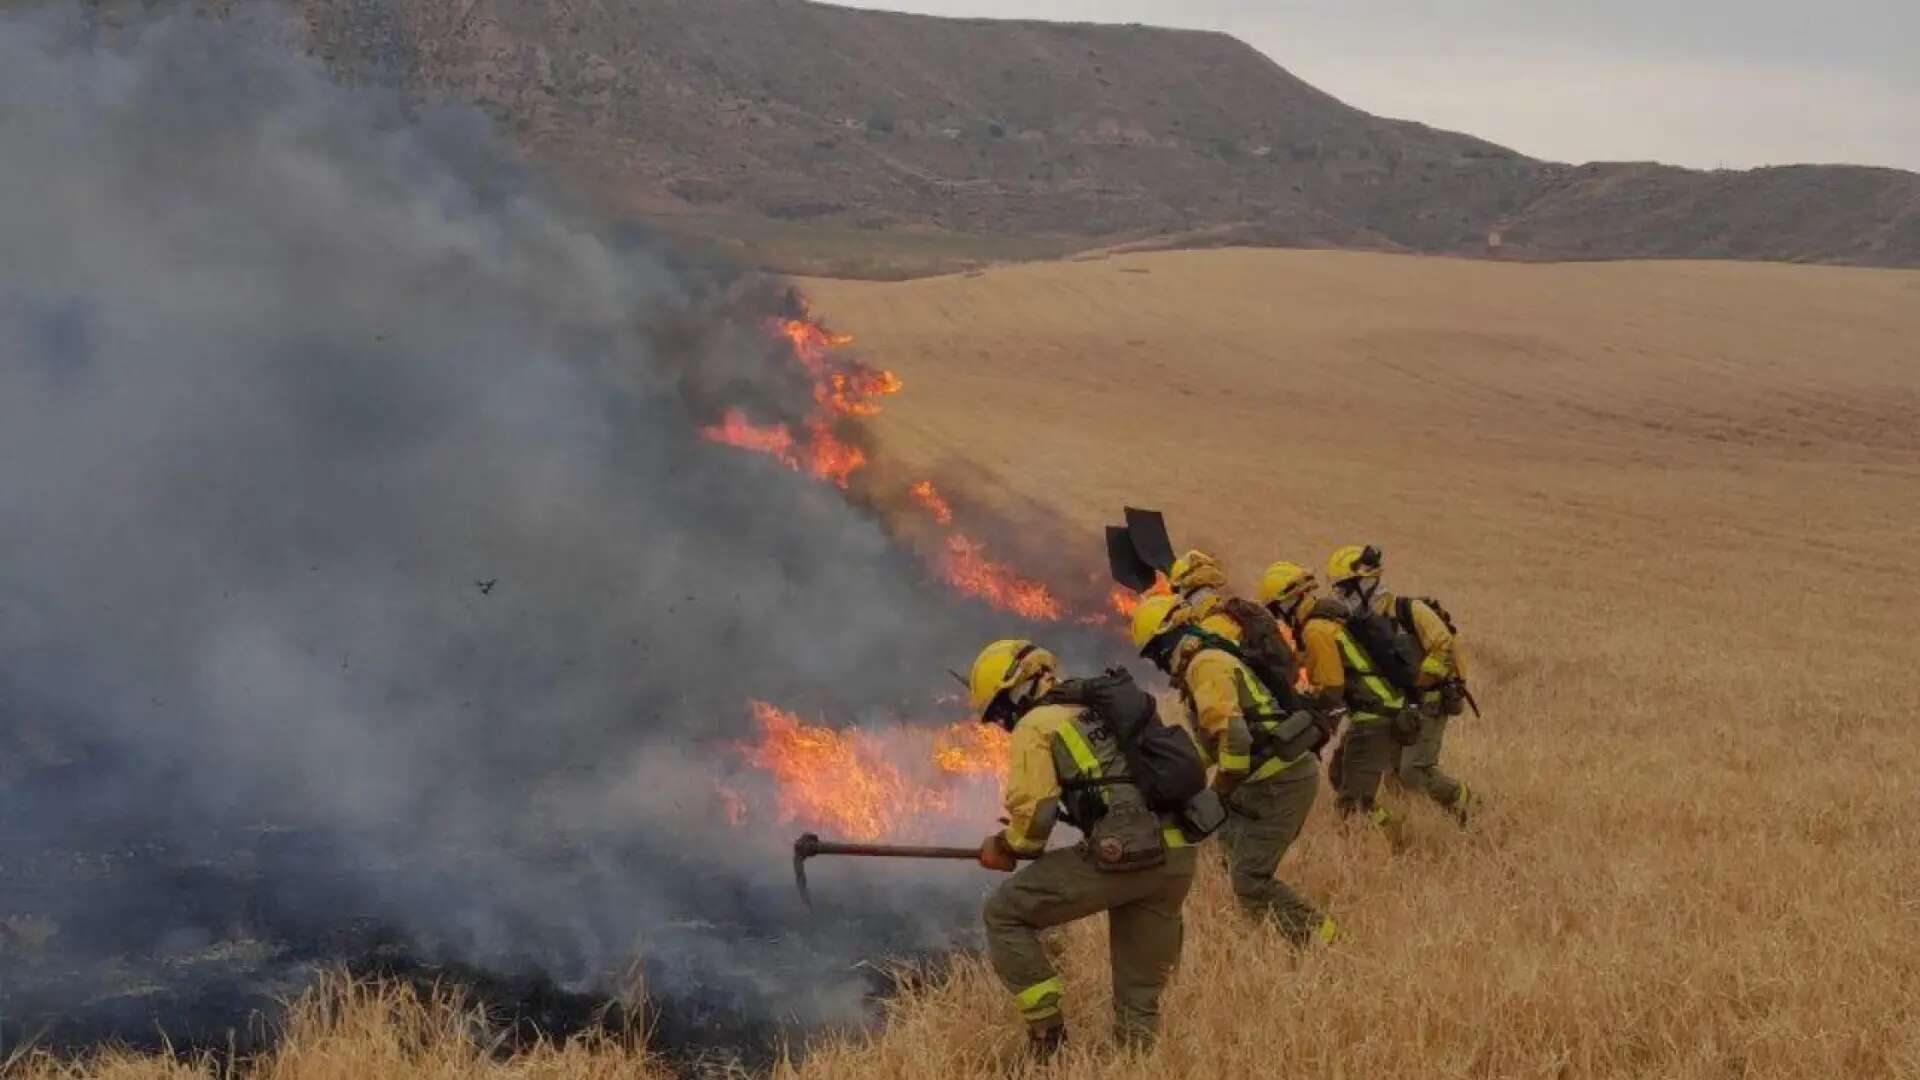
(1344, 681)
(1263, 751)
(1065, 763)
(1437, 684)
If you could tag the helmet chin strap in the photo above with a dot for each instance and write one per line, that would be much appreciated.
(1030, 691)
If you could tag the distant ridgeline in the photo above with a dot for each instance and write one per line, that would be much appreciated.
(795, 127)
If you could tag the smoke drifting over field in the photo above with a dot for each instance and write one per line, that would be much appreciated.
(360, 564)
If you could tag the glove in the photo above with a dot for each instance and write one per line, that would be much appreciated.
(996, 855)
(1225, 784)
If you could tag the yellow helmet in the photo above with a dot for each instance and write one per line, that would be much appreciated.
(1353, 561)
(1157, 615)
(1283, 582)
(1196, 570)
(1003, 665)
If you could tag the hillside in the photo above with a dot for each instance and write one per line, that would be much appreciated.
(824, 137)
(813, 138)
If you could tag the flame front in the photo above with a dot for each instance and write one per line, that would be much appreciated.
(971, 750)
(966, 567)
(840, 389)
(869, 785)
(937, 506)
(844, 390)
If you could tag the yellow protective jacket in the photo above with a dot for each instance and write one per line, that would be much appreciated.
(1229, 705)
(1338, 669)
(1052, 748)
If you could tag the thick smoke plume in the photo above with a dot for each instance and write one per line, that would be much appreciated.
(363, 583)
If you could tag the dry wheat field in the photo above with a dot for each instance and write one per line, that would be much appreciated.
(1675, 508)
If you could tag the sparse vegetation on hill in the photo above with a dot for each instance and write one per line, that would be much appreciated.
(818, 139)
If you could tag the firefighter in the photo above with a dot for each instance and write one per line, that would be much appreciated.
(1265, 769)
(1199, 580)
(1063, 765)
(1343, 681)
(1356, 577)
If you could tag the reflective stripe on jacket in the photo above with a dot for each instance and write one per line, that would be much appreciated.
(1053, 754)
(1335, 662)
(1232, 709)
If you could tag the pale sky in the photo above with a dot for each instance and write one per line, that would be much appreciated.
(1705, 83)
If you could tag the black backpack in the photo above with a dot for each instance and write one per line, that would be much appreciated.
(1263, 649)
(1393, 648)
(1161, 758)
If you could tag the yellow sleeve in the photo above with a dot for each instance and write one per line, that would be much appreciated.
(1216, 704)
(1324, 668)
(1033, 788)
(1438, 641)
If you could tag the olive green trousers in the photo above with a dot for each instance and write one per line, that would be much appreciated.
(1144, 932)
(1363, 757)
(1418, 766)
(1264, 818)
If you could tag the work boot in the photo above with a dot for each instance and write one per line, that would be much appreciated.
(1327, 932)
(1463, 805)
(1044, 1044)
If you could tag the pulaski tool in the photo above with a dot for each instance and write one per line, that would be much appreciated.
(810, 845)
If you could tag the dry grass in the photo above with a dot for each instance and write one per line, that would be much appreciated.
(1675, 507)
(350, 1029)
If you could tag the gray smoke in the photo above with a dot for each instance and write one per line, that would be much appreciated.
(290, 373)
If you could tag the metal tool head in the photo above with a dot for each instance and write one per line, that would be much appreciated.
(1124, 562)
(806, 847)
(1150, 539)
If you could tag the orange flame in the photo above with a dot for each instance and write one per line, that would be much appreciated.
(812, 343)
(824, 456)
(1124, 601)
(838, 390)
(854, 393)
(966, 567)
(734, 429)
(828, 458)
(924, 493)
(867, 785)
(971, 750)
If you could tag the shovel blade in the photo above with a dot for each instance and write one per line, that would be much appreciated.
(1124, 561)
(1150, 540)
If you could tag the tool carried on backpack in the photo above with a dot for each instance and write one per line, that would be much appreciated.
(1140, 552)
(809, 845)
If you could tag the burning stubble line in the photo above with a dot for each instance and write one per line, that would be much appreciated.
(296, 366)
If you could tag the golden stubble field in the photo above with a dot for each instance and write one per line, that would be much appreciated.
(1676, 509)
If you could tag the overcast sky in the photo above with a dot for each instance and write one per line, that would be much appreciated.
(1707, 83)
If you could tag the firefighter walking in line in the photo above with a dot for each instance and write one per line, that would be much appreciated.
(1344, 681)
(1064, 764)
(1199, 580)
(1439, 686)
(1265, 769)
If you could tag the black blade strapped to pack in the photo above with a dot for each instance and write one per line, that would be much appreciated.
(1125, 563)
(1150, 540)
